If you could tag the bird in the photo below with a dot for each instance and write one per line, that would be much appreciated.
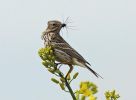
(64, 53)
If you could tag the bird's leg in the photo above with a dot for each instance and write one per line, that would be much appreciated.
(70, 70)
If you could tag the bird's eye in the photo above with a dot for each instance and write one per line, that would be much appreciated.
(54, 24)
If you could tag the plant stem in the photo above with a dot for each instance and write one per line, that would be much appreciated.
(68, 86)
(70, 89)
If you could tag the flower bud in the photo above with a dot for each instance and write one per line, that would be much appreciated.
(62, 86)
(62, 80)
(54, 80)
(58, 71)
(50, 70)
(75, 75)
(45, 64)
(68, 77)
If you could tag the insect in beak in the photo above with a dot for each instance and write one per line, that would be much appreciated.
(63, 25)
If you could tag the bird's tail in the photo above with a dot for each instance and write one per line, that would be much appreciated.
(96, 74)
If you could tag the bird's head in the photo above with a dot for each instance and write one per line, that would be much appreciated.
(53, 26)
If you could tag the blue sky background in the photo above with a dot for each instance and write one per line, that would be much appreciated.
(105, 35)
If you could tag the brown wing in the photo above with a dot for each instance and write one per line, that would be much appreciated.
(59, 43)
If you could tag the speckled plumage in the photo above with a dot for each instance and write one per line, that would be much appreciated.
(63, 51)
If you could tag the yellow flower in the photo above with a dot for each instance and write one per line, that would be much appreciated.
(87, 90)
(87, 93)
(84, 89)
(92, 97)
(111, 95)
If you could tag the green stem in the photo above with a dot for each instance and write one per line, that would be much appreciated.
(68, 86)
(70, 89)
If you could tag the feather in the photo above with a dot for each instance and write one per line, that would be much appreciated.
(96, 74)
